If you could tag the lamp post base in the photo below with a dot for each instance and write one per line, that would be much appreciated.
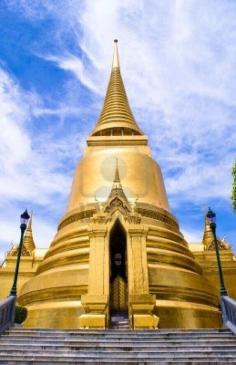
(223, 292)
(12, 292)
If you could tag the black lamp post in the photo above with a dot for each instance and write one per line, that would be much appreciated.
(211, 220)
(24, 220)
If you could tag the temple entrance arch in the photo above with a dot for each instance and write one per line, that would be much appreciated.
(118, 271)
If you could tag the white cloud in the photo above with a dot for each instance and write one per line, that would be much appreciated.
(30, 164)
(29, 169)
(74, 65)
(43, 231)
(192, 236)
(178, 62)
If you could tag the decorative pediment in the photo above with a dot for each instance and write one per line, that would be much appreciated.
(208, 240)
(14, 251)
(117, 199)
(222, 244)
(117, 203)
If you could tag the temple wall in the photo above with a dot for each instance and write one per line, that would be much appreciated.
(207, 260)
(173, 304)
(28, 267)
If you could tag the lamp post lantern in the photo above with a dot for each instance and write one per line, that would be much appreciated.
(24, 220)
(211, 220)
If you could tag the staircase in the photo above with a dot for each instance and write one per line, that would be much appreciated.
(119, 321)
(48, 347)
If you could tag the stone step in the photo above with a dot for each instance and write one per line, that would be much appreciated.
(181, 331)
(125, 333)
(172, 330)
(117, 337)
(182, 361)
(121, 333)
(129, 352)
(117, 319)
(121, 325)
(125, 357)
(130, 342)
(120, 347)
(96, 342)
(114, 339)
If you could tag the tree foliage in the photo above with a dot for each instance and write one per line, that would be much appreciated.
(233, 197)
(21, 314)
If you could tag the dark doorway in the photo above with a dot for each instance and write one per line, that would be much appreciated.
(118, 273)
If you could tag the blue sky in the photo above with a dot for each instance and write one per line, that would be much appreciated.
(178, 60)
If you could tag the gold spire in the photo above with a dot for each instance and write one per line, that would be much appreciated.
(28, 242)
(116, 117)
(208, 239)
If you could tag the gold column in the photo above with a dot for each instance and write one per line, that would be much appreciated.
(141, 303)
(95, 302)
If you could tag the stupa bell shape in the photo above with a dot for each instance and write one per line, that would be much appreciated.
(118, 247)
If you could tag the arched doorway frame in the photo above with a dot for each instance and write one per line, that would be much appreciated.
(118, 268)
(96, 301)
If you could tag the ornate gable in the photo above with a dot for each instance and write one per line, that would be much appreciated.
(117, 199)
(208, 240)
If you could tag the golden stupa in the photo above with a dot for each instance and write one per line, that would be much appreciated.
(118, 247)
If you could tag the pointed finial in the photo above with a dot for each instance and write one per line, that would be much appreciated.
(117, 175)
(208, 238)
(116, 62)
(28, 242)
(29, 226)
